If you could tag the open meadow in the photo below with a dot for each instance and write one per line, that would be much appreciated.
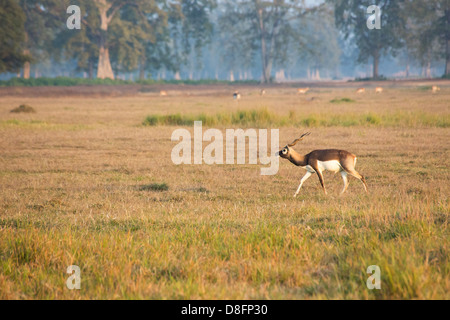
(88, 180)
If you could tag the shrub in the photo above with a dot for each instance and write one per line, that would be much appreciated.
(24, 108)
(373, 119)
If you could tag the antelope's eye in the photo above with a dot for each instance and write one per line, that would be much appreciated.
(284, 151)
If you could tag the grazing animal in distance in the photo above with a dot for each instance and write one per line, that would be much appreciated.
(236, 95)
(435, 89)
(262, 92)
(163, 93)
(378, 90)
(361, 90)
(318, 161)
(302, 90)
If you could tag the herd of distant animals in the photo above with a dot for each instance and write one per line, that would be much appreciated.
(237, 95)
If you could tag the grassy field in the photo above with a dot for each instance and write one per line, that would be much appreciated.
(88, 181)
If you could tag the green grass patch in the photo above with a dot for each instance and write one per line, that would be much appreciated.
(265, 118)
(154, 187)
(343, 100)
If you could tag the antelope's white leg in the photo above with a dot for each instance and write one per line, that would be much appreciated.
(305, 177)
(344, 177)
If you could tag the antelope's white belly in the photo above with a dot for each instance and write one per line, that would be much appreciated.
(332, 166)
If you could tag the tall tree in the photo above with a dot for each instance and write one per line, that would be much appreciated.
(12, 36)
(154, 52)
(42, 18)
(190, 30)
(237, 47)
(80, 45)
(444, 30)
(351, 17)
(114, 33)
(270, 25)
(319, 48)
(429, 31)
(421, 42)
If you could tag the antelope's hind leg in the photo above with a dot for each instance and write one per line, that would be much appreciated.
(349, 167)
(359, 177)
(345, 178)
(305, 177)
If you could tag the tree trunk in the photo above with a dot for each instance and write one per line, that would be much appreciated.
(265, 71)
(447, 60)
(142, 68)
(104, 64)
(26, 66)
(428, 74)
(26, 70)
(270, 56)
(141, 73)
(104, 69)
(376, 63)
(447, 38)
(91, 69)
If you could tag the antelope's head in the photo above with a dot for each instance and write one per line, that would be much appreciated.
(286, 151)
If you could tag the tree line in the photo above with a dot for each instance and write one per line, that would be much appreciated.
(249, 38)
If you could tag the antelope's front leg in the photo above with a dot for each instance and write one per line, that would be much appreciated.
(322, 182)
(305, 177)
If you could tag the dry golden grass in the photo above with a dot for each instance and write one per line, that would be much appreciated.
(84, 182)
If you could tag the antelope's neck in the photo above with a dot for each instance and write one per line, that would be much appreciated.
(298, 159)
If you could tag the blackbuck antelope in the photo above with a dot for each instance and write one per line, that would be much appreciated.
(163, 93)
(321, 160)
(435, 89)
(262, 92)
(378, 90)
(302, 90)
(361, 90)
(236, 95)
